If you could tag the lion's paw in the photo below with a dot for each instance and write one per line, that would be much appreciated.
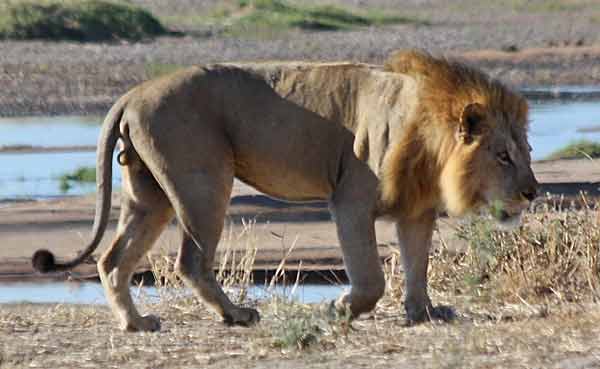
(358, 301)
(439, 313)
(443, 313)
(146, 323)
(244, 317)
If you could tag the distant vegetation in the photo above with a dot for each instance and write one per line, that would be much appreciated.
(254, 15)
(78, 20)
(154, 70)
(548, 6)
(107, 20)
(81, 174)
(578, 150)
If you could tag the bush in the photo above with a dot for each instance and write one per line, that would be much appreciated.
(83, 20)
(553, 253)
(578, 150)
(80, 175)
(281, 15)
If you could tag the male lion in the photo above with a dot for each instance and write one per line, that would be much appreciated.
(404, 142)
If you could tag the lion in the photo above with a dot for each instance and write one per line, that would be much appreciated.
(406, 141)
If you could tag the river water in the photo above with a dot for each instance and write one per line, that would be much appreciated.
(92, 293)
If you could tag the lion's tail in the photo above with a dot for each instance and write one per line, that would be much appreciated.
(43, 260)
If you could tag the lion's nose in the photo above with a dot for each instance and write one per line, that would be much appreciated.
(530, 193)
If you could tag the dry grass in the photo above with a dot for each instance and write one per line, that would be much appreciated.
(552, 257)
(526, 298)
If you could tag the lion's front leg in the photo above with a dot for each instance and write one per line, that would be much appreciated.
(355, 223)
(356, 233)
(414, 237)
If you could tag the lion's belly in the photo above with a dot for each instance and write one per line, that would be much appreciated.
(292, 165)
(281, 177)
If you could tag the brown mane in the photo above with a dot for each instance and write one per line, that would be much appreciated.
(448, 85)
(445, 87)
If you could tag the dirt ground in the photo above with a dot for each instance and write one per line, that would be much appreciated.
(66, 336)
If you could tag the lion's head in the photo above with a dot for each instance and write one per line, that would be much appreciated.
(472, 131)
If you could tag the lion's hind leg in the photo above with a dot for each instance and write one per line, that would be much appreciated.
(200, 197)
(145, 211)
(195, 266)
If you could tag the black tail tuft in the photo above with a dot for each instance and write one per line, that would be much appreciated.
(43, 261)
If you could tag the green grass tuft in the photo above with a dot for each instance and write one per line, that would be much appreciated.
(154, 70)
(256, 16)
(577, 150)
(300, 326)
(83, 20)
(541, 6)
(81, 175)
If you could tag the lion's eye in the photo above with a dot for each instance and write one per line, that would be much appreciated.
(504, 158)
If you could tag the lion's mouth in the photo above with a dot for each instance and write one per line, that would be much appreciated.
(504, 217)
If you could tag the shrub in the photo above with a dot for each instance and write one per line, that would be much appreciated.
(84, 20)
(578, 150)
(81, 174)
(280, 15)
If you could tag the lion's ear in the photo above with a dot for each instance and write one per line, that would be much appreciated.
(471, 122)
